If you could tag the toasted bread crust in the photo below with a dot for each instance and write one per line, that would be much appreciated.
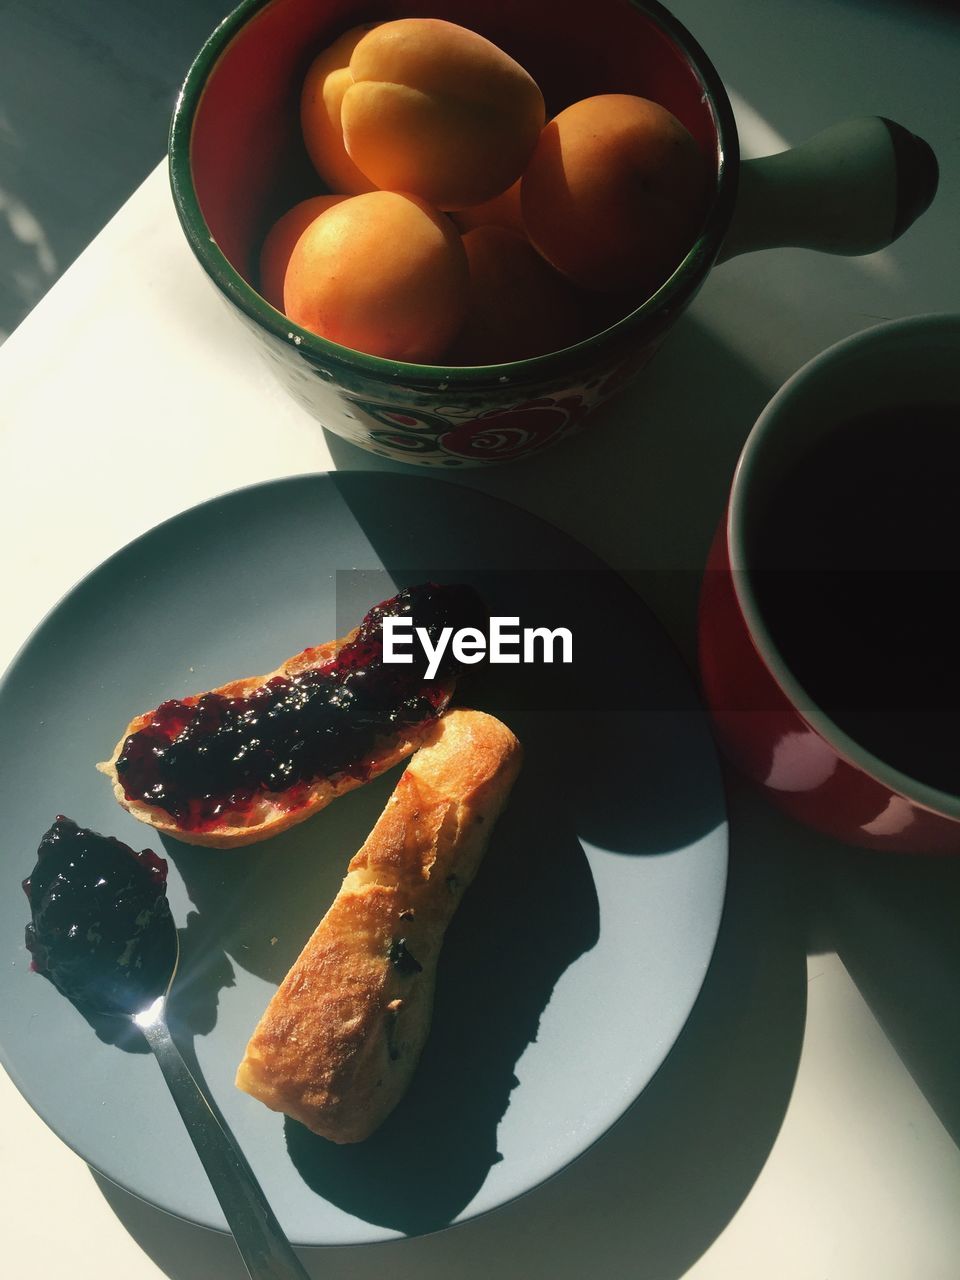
(340, 1040)
(272, 812)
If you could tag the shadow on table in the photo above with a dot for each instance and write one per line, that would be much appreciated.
(647, 481)
(895, 923)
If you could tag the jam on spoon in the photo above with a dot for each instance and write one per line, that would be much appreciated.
(101, 929)
(199, 757)
(102, 932)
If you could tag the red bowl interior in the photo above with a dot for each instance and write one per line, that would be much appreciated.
(248, 162)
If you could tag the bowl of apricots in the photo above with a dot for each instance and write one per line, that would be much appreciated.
(454, 233)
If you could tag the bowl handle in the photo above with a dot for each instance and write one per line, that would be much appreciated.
(851, 189)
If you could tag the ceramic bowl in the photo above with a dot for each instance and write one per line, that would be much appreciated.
(237, 163)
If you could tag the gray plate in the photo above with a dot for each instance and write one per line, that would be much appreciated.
(577, 955)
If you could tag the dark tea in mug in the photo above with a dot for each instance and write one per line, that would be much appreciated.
(856, 569)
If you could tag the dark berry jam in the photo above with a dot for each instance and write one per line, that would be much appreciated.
(203, 757)
(101, 929)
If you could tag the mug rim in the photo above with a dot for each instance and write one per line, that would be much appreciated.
(671, 296)
(941, 803)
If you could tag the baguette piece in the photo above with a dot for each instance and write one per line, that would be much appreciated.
(340, 1040)
(357, 704)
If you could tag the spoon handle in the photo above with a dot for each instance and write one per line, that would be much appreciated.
(265, 1250)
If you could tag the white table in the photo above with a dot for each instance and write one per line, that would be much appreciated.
(784, 1136)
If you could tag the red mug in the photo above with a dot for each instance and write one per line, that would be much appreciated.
(766, 723)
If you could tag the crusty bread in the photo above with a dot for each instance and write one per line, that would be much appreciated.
(340, 1040)
(271, 812)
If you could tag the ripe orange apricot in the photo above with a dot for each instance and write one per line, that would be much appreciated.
(280, 241)
(615, 193)
(437, 110)
(519, 306)
(383, 273)
(502, 211)
(323, 89)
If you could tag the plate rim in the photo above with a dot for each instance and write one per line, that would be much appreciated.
(377, 1233)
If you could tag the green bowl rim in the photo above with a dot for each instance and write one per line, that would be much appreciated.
(671, 297)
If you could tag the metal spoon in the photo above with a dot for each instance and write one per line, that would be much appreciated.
(265, 1250)
(101, 930)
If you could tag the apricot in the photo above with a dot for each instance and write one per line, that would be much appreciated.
(383, 273)
(502, 211)
(439, 111)
(323, 89)
(518, 306)
(280, 241)
(615, 193)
